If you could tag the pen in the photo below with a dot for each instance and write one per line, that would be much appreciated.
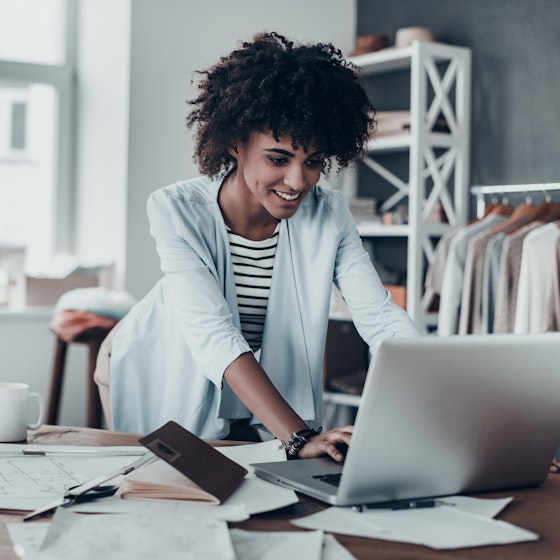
(407, 504)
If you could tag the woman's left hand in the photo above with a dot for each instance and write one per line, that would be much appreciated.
(333, 443)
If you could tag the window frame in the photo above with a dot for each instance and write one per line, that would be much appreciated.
(63, 78)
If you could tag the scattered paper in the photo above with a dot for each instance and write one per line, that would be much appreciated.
(252, 496)
(244, 455)
(257, 496)
(30, 482)
(333, 550)
(253, 545)
(27, 537)
(115, 504)
(442, 527)
(478, 506)
(257, 545)
(134, 537)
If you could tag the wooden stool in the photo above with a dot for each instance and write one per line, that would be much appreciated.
(92, 336)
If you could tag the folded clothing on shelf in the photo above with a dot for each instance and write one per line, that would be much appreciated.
(394, 123)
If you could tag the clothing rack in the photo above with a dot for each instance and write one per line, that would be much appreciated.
(481, 191)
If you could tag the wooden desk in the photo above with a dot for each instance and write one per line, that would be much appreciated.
(536, 509)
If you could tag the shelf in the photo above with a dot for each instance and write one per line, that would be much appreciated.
(397, 143)
(394, 59)
(340, 316)
(437, 230)
(402, 142)
(432, 319)
(386, 60)
(25, 313)
(341, 398)
(375, 229)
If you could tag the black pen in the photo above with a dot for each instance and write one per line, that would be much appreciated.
(410, 504)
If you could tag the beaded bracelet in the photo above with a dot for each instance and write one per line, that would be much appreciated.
(297, 441)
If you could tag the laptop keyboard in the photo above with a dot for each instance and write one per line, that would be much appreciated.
(333, 479)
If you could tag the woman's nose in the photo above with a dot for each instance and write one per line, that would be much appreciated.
(295, 178)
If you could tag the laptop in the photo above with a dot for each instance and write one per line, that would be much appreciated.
(443, 416)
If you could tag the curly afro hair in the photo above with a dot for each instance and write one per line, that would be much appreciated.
(308, 93)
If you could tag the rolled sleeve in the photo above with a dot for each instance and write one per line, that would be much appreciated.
(373, 310)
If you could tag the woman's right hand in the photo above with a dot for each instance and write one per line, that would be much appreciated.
(332, 443)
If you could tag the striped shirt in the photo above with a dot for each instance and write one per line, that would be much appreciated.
(253, 262)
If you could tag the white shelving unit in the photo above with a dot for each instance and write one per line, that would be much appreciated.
(438, 170)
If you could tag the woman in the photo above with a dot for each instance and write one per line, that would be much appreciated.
(233, 335)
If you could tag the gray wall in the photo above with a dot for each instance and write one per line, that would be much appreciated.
(516, 77)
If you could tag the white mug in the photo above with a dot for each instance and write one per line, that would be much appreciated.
(14, 411)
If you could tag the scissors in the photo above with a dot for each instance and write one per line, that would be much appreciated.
(91, 490)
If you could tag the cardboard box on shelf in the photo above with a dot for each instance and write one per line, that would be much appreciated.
(45, 291)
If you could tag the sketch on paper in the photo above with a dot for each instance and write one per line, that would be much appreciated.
(36, 477)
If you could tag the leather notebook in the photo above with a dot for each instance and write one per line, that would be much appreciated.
(204, 467)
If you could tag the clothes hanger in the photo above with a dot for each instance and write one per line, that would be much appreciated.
(490, 207)
(495, 206)
(499, 207)
(549, 211)
(521, 215)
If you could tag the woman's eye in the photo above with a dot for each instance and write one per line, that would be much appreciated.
(315, 163)
(278, 161)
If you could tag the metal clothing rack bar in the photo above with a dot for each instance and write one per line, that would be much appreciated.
(481, 191)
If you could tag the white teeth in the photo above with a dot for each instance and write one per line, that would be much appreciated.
(287, 196)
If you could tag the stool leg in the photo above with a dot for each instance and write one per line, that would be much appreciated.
(57, 377)
(94, 410)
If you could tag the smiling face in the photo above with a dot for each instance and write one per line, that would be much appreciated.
(272, 176)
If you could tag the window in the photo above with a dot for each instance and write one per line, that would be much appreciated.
(36, 101)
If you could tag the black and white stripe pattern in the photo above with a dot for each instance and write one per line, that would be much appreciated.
(253, 262)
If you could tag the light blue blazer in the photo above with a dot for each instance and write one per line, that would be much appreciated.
(171, 350)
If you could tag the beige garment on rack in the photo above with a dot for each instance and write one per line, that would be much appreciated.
(450, 301)
(470, 319)
(506, 301)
